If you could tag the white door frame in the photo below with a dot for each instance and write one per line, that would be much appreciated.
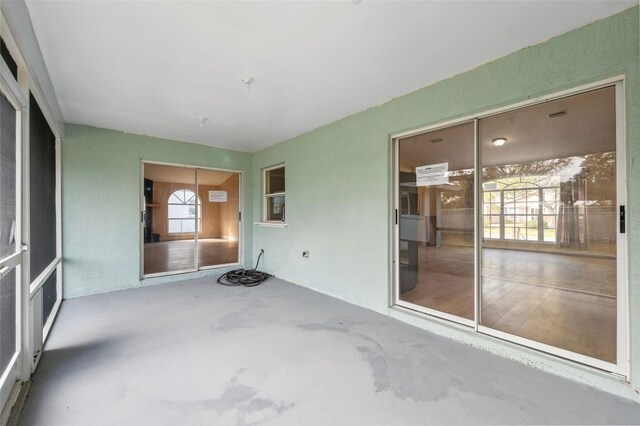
(40, 327)
(30, 332)
(12, 374)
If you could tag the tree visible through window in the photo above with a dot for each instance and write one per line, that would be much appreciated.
(182, 212)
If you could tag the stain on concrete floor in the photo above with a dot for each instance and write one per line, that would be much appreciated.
(194, 352)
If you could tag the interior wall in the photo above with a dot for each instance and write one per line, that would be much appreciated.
(229, 210)
(338, 176)
(219, 220)
(211, 220)
(210, 211)
(101, 181)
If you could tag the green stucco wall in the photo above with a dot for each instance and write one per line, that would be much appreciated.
(338, 201)
(101, 199)
(338, 177)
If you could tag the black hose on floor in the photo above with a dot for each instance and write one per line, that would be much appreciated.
(245, 277)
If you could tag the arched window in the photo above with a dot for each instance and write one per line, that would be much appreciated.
(182, 212)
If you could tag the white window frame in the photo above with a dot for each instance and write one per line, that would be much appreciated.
(265, 196)
(197, 217)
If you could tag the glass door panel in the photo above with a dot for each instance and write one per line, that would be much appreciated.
(219, 193)
(436, 220)
(549, 210)
(172, 214)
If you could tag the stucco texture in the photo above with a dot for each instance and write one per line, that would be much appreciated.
(101, 204)
(339, 176)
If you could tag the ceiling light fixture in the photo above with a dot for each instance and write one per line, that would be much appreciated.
(247, 83)
(499, 141)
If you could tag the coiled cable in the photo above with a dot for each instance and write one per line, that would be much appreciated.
(245, 277)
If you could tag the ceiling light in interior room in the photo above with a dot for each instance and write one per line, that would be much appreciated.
(247, 81)
(436, 140)
(202, 119)
(499, 141)
(557, 114)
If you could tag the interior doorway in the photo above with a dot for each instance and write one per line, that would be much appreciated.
(511, 223)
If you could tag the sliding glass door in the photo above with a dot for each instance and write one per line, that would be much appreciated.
(436, 220)
(549, 247)
(169, 219)
(510, 223)
(190, 218)
(220, 195)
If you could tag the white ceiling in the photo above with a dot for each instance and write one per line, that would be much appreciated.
(154, 67)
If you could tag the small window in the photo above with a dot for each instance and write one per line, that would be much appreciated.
(182, 212)
(274, 185)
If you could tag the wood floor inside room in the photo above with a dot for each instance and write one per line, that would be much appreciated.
(564, 301)
(179, 255)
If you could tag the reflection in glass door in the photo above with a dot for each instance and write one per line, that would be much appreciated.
(10, 254)
(549, 261)
(220, 195)
(169, 219)
(436, 220)
(545, 268)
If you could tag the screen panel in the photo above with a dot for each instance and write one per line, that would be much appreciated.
(8, 231)
(8, 59)
(8, 207)
(42, 161)
(49, 296)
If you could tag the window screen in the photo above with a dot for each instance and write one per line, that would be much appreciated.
(49, 296)
(7, 230)
(8, 59)
(7, 318)
(42, 162)
(7, 178)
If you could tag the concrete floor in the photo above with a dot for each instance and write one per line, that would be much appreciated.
(194, 353)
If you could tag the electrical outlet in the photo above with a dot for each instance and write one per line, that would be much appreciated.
(305, 253)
